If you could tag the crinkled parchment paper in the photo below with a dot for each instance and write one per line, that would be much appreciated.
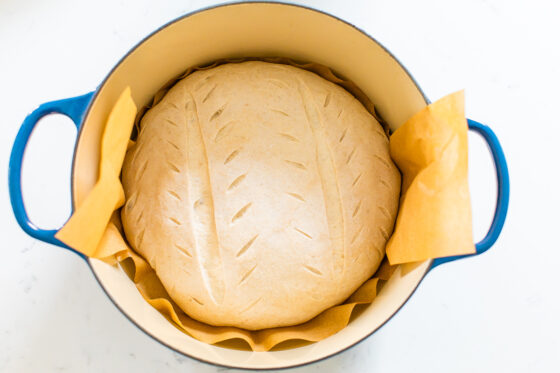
(434, 218)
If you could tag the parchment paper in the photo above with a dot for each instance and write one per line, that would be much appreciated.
(434, 217)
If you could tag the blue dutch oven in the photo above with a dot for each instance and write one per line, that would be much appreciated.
(256, 29)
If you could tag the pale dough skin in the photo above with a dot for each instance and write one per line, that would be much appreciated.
(260, 193)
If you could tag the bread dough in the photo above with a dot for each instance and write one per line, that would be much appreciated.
(260, 193)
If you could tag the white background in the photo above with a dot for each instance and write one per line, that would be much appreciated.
(493, 313)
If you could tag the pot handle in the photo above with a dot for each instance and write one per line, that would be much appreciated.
(74, 108)
(502, 202)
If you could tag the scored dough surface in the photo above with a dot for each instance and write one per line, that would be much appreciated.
(260, 193)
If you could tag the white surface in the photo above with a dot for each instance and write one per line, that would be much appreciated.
(496, 312)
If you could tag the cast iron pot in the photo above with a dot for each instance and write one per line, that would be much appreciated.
(256, 29)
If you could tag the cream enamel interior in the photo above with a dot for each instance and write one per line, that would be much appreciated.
(238, 30)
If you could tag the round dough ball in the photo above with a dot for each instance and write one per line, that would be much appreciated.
(260, 193)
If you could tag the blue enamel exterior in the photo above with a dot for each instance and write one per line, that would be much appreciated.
(77, 107)
(74, 108)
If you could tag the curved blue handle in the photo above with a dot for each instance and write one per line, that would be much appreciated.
(74, 108)
(502, 202)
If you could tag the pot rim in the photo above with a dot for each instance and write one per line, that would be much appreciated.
(122, 59)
